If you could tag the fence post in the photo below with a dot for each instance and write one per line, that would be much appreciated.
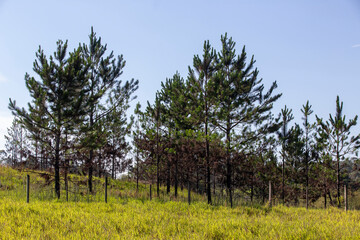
(189, 192)
(270, 193)
(150, 192)
(67, 188)
(106, 183)
(345, 198)
(77, 191)
(27, 188)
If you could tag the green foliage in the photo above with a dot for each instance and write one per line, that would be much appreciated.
(337, 132)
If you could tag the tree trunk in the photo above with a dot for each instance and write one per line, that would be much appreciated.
(330, 198)
(307, 163)
(90, 160)
(228, 166)
(182, 182)
(214, 184)
(197, 181)
(252, 188)
(137, 169)
(307, 180)
(283, 179)
(157, 161)
(99, 164)
(57, 164)
(90, 170)
(324, 196)
(338, 178)
(176, 175)
(207, 156)
(66, 170)
(168, 178)
(36, 155)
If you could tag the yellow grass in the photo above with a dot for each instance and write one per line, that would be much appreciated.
(128, 216)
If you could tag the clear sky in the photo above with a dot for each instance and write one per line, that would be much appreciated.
(311, 48)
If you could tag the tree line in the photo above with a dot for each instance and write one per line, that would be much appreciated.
(213, 130)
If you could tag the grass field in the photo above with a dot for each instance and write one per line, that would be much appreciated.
(136, 217)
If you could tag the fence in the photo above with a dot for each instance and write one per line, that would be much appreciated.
(38, 187)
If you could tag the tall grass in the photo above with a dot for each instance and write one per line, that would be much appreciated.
(137, 219)
(130, 214)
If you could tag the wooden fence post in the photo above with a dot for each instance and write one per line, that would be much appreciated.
(345, 198)
(106, 183)
(150, 192)
(27, 188)
(270, 194)
(189, 192)
(67, 188)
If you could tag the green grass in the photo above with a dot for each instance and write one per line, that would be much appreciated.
(131, 215)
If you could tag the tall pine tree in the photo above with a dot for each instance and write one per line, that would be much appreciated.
(58, 95)
(241, 101)
(339, 145)
(203, 98)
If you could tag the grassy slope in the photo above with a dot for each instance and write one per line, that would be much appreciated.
(128, 218)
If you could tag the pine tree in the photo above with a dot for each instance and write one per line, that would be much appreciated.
(58, 95)
(13, 143)
(338, 144)
(294, 159)
(136, 169)
(241, 101)
(286, 116)
(103, 73)
(174, 97)
(309, 145)
(117, 125)
(203, 98)
(153, 113)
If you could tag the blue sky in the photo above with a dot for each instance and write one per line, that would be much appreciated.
(311, 48)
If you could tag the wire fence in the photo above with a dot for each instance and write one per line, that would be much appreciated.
(39, 186)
